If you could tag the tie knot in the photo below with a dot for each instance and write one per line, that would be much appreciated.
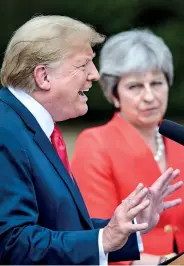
(56, 132)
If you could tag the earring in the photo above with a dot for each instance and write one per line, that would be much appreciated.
(116, 104)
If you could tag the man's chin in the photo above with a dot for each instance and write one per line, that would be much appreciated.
(83, 111)
(74, 114)
(80, 112)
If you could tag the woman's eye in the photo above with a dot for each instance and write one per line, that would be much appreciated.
(134, 86)
(156, 83)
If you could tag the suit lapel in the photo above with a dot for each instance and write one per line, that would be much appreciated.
(42, 141)
(44, 144)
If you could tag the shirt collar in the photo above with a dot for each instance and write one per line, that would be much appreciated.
(42, 116)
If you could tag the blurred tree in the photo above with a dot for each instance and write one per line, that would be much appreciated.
(165, 18)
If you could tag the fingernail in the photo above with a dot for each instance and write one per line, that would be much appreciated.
(140, 185)
(144, 190)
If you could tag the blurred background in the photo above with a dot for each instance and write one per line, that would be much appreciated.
(164, 18)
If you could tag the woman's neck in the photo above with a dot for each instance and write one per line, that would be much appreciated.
(155, 142)
(149, 135)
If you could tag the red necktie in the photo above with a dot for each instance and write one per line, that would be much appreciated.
(59, 144)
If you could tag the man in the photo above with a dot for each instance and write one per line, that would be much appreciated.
(43, 219)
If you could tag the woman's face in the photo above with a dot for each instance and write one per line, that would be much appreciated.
(143, 97)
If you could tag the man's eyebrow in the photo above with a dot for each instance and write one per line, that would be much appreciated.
(91, 57)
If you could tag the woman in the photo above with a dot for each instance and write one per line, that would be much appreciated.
(136, 70)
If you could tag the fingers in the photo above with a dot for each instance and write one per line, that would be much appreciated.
(174, 175)
(139, 187)
(132, 201)
(138, 227)
(164, 180)
(173, 188)
(172, 203)
(132, 213)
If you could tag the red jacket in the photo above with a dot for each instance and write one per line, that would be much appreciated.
(108, 163)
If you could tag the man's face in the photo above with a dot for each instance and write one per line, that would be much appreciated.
(68, 84)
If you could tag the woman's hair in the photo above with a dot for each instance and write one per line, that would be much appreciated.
(133, 51)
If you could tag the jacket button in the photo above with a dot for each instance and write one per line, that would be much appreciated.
(168, 229)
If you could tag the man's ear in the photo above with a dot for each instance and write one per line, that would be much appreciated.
(41, 77)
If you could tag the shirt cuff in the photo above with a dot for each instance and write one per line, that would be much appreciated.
(103, 258)
(139, 239)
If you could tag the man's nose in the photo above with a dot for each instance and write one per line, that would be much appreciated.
(94, 74)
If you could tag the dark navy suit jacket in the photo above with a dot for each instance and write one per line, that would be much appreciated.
(43, 218)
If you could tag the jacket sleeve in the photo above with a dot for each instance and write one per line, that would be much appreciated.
(91, 167)
(129, 251)
(22, 240)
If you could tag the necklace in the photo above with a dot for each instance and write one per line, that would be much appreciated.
(160, 146)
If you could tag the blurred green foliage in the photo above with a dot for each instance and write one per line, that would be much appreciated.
(165, 18)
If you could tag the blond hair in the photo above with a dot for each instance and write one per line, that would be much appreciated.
(42, 40)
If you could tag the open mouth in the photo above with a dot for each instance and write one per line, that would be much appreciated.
(82, 93)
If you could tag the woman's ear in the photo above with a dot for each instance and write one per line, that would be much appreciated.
(115, 102)
(41, 77)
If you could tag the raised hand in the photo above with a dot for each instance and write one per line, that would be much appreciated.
(119, 228)
(157, 193)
